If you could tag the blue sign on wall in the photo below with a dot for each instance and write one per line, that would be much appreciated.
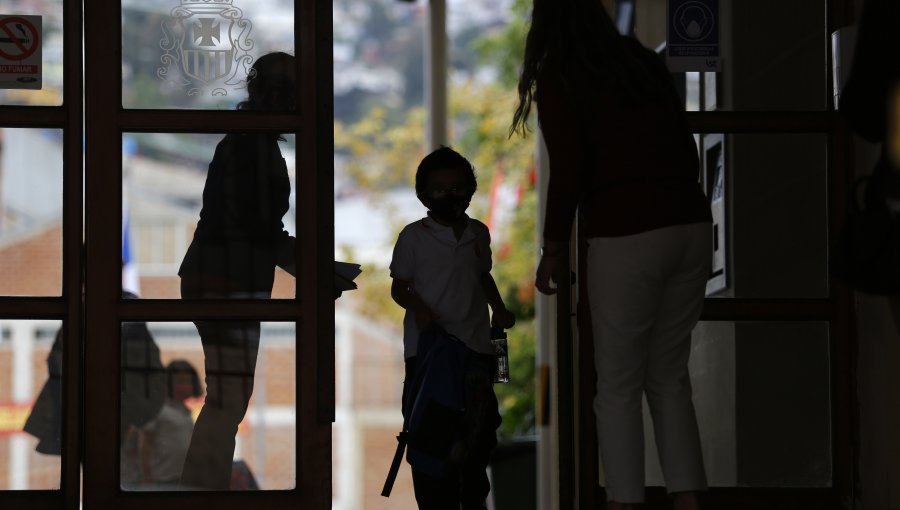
(692, 42)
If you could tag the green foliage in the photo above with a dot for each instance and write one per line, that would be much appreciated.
(506, 49)
(383, 152)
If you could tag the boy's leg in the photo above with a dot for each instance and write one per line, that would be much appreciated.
(436, 493)
(474, 483)
(431, 493)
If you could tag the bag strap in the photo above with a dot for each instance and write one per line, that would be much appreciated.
(395, 466)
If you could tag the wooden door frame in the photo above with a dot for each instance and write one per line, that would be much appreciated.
(68, 306)
(578, 473)
(312, 310)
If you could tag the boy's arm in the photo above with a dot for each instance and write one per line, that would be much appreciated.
(406, 298)
(500, 316)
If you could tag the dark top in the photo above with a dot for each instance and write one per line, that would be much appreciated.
(875, 71)
(630, 167)
(240, 232)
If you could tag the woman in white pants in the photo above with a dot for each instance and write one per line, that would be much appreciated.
(621, 151)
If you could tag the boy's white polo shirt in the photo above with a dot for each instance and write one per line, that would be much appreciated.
(446, 275)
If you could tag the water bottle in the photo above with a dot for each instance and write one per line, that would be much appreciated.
(501, 350)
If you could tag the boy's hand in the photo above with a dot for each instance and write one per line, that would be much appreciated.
(503, 318)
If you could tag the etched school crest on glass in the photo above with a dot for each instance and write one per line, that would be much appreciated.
(206, 46)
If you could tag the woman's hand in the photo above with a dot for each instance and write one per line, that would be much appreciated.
(423, 317)
(547, 270)
(503, 318)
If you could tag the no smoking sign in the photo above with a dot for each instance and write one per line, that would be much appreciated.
(20, 52)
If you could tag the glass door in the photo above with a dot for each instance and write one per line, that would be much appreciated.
(40, 254)
(771, 360)
(209, 313)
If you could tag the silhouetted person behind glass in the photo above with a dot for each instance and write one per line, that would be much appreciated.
(239, 240)
(164, 440)
(621, 151)
(143, 386)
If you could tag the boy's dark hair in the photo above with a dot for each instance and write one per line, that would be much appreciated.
(180, 366)
(443, 157)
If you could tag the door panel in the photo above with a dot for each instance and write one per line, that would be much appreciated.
(52, 46)
(195, 55)
(31, 212)
(163, 179)
(31, 354)
(774, 353)
(152, 182)
(40, 252)
(152, 453)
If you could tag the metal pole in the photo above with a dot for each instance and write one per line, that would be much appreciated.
(545, 361)
(436, 74)
(23, 333)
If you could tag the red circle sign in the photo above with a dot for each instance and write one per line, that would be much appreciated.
(21, 51)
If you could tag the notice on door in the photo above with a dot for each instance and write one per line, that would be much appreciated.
(20, 52)
(692, 38)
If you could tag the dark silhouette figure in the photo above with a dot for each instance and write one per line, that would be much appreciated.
(143, 386)
(875, 74)
(45, 420)
(164, 440)
(871, 99)
(867, 249)
(239, 240)
(441, 275)
(621, 151)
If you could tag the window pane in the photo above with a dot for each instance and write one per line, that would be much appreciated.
(31, 361)
(768, 196)
(31, 212)
(761, 393)
(247, 209)
(51, 48)
(183, 391)
(192, 54)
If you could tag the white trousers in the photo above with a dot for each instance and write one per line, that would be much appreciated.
(646, 293)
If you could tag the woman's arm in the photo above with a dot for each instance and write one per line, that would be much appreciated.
(562, 133)
(560, 128)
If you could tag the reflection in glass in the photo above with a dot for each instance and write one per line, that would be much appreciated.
(50, 93)
(31, 212)
(761, 392)
(196, 55)
(769, 199)
(30, 404)
(240, 237)
(163, 188)
(214, 412)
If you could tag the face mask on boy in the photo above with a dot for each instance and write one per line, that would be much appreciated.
(448, 208)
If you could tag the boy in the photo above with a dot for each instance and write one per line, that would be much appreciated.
(441, 276)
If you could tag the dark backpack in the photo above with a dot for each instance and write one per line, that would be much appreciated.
(434, 412)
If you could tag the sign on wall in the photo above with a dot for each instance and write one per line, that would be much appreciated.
(692, 36)
(20, 52)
